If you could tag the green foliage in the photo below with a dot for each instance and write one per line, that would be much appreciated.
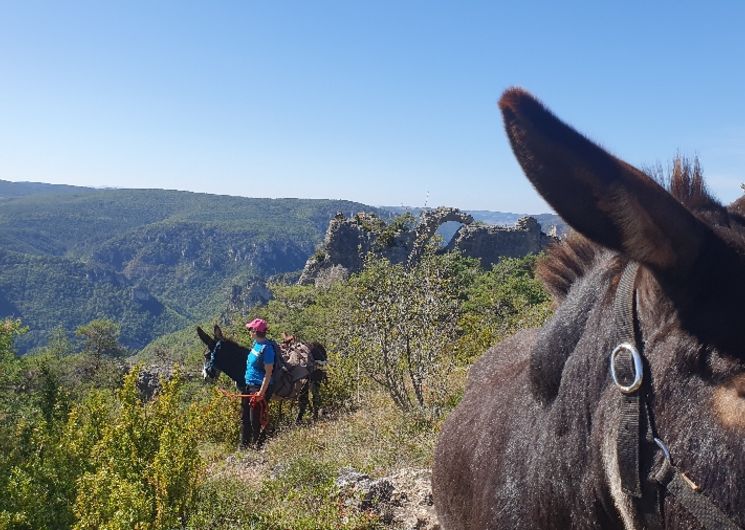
(400, 224)
(181, 348)
(9, 330)
(9, 363)
(226, 504)
(48, 456)
(501, 301)
(218, 420)
(406, 323)
(52, 292)
(302, 496)
(146, 465)
(369, 222)
(101, 337)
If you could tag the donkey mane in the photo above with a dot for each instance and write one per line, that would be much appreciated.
(231, 342)
(564, 263)
(686, 183)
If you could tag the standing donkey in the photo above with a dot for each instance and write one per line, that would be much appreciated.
(627, 409)
(226, 356)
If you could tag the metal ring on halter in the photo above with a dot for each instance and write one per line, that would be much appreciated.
(638, 368)
(665, 450)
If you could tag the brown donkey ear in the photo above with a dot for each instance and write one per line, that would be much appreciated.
(600, 196)
(205, 338)
(619, 207)
(218, 333)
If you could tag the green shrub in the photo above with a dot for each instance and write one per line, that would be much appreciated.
(225, 504)
(500, 302)
(147, 467)
(405, 322)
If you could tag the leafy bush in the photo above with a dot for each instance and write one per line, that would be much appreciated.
(147, 467)
(406, 323)
(500, 302)
(388, 233)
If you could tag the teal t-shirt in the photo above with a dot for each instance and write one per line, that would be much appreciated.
(262, 353)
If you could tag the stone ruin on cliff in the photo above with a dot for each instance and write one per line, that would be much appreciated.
(348, 241)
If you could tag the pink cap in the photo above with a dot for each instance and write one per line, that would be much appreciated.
(257, 324)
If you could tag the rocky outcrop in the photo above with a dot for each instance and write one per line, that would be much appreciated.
(490, 243)
(402, 500)
(244, 297)
(150, 379)
(430, 221)
(348, 241)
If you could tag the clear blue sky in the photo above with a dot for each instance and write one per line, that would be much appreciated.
(382, 102)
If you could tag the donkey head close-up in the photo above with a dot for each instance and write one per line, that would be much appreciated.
(223, 355)
(627, 409)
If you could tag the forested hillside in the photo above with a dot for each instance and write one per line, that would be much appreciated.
(152, 260)
(20, 189)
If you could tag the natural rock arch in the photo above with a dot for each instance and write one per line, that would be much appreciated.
(429, 222)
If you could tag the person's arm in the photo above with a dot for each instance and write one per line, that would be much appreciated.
(268, 368)
(269, 354)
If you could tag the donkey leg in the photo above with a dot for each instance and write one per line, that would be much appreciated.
(302, 399)
(316, 388)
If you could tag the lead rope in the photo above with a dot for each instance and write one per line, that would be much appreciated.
(635, 414)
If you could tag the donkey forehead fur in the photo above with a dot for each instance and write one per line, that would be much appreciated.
(525, 447)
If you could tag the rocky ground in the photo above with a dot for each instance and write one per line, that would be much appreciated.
(402, 500)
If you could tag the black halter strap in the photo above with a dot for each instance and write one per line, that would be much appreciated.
(627, 370)
(636, 428)
(211, 362)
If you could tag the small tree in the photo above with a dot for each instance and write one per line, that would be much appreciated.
(59, 344)
(99, 363)
(9, 362)
(101, 338)
(406, 325)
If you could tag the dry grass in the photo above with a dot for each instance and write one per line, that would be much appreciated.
(290, 483)
(376, 439)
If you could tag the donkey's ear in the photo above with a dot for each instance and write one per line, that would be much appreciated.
(618, 206)
(600, 196)
(218, 333)
(205, 338)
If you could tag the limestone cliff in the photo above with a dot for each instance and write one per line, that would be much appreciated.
(348, 241)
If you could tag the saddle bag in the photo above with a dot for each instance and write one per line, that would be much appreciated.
(291, 369)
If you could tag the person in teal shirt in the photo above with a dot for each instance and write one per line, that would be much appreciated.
(259, 368)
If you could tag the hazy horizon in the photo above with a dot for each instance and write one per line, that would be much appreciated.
(383, 206)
